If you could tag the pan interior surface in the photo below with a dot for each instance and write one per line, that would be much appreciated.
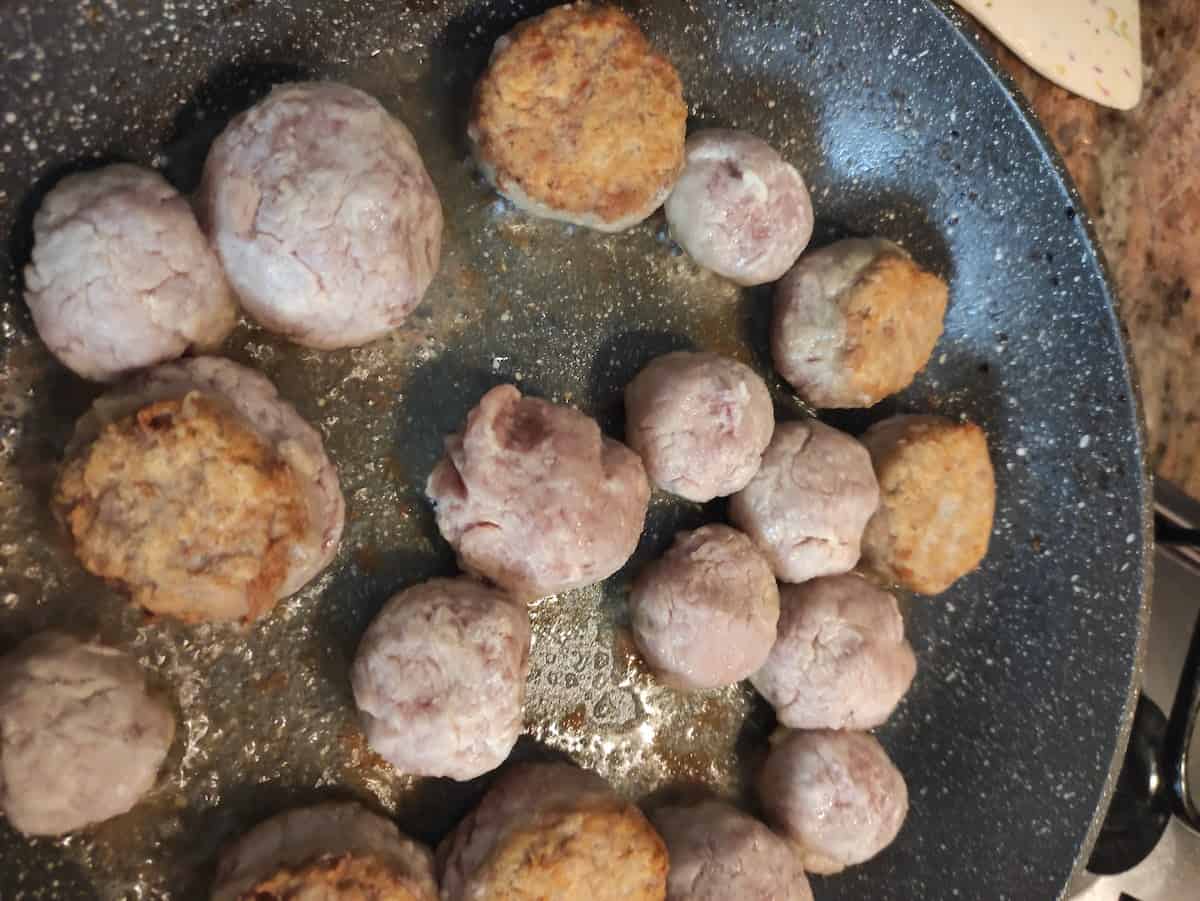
(1025, 667)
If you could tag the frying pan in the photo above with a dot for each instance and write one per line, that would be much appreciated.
(902, 128)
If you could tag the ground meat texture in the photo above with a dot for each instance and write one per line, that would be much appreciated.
(938, 499)
(718, 853)
(700, 423)
(836, 795)
(855, 322)
(187, 509)
(81, 737)
(550, 830)
(704, 614)
(578, 119)
(739, 208)
(330, 852)
(526, 467)
(440, 678)
(121, 276)
(841, 660)
(253, 400)
(323, 215)
(807, 505)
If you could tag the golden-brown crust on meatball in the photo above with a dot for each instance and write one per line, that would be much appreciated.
(937, 501)
(605, 851)
(184, 506)
(893, 320)
(347, 877)
(579, 116)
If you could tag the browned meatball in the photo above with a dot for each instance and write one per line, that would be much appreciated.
(525, 467)
(840, 661)
(938, 498)
(855, 322)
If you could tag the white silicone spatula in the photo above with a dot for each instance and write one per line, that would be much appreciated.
(1091, 47)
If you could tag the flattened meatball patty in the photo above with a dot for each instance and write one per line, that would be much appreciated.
(440, 678)
(704, 615)
(739, 208)
(320, 208)
(201, 492)
(719, 853)
(855, 322)
(841, 660)
(121, 276)
(81, 738)
(938, 498)
(700, 423)
(329, 852)
(551, 830)
(578, 119)
(835, 794)
(525, 467)
(807, 505)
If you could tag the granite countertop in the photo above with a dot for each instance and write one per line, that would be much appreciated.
(1139, 175)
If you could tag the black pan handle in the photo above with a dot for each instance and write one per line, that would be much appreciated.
(1181, 727)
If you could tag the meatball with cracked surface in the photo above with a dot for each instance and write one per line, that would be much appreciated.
(855, 322)
(319, 206)
(552, 830)
(739, 208)
(704, 614)
(200, 492)
(840, 660)
(82, 739)
(718, 853)
(525, 467)
(809, 502)
(937, 501)
(336, 851)
(700, 422)
(439, 678)
(578, 119)
(121, 276)
(836, 795)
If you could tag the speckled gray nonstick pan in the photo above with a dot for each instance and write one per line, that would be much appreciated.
(1024, 690)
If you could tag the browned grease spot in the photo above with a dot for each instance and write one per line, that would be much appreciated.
(576, 720)
(368, 558)
(359, 755)
(275, 682)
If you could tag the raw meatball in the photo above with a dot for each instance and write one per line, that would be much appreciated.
(551, 830)
(700, 423)
(719, 854)
(739, 208)
(121, 276)
(808, 504)
(704, 615)
(525, 467)
(578, 119)
(855, 322)
(81, 737)
(201, 492)
(841, 661)
(440, 678)
(321, 210)
(328, 852)
(938, 499)
(836, 795)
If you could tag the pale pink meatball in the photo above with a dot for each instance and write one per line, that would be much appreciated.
(700, 423)
(533, 497)
(439, 678)
(321, 210)
(841, 660)
(704, 614)
(718, 853)
(739, 208)
(121, 276)
(807, 506)
(836, 795)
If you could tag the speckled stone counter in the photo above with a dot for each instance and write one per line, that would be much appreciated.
(1139, 174)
